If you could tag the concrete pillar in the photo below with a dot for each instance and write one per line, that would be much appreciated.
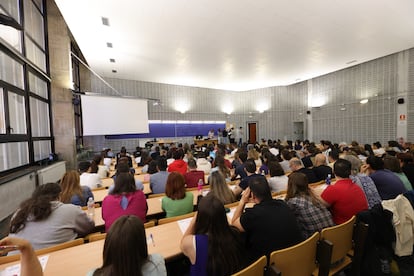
(61, 94)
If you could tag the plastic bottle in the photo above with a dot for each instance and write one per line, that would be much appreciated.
(263, 172)
(200, 185)
(328, 179)
(91, 207)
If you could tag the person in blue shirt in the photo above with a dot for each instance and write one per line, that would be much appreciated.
(72, 191)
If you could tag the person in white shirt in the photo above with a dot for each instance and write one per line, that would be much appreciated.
(92, 180)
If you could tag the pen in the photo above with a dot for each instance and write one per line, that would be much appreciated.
(152, 239)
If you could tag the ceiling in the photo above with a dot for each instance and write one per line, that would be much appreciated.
(235, 45)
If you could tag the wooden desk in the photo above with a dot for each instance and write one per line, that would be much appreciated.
(201, 142)
(80, 259)
(144, 178)
(99, 195)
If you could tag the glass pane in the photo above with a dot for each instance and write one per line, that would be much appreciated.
(11, 36)
(37, 85)
(2, 115)
(11, 7)
(36, 55)
(39, 113)
(42, 149)
(11, 71)
(33, 23)
(17, 114)
(13, 155)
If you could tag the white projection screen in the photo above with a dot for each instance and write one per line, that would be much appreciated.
(113, 115)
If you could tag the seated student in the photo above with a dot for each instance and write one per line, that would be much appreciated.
(296, 165)
(220, 165)
(278, 181)
(250, 169)
(321, 170)
(125, 251)
(389, 185)
(202, 163)
(310, 212)
(100, 168)
(239, 171)
(391, 163)
(269, 225)
(124, 200)
(220, 189)
(159, 179)
(253, 154)
(178, 165)
(212, 245)
(45, 221)
(177, 201)
(124, 154)
(193, 176)
(72, 191)
(124, 168)
(29, 263)
(92, 180)
(363, 181)
(344, 198)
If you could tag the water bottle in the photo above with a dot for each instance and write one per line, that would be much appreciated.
(200, 185)
(91, 208)
(263, 172)
(328, 179)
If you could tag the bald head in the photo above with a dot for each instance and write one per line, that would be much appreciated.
(320, 159)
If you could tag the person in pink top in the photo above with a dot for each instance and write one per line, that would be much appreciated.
(344, 198)
(125, 199)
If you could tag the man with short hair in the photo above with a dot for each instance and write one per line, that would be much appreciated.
(344, 198)
(193, 176)
(159, 179)
(296, 165)
(388, 184)
(92, 180)
(250, 170)
(269, 225)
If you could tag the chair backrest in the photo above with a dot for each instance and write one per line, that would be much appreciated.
(60, 246)
(341, 238)
(167, 220)
(96, 205)
(299, 259)
(9, 258)
(97, 237)
(149, 224)
(255, 269)
(155, 195)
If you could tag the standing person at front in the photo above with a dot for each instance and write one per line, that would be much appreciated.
(125, 199)
(45, 221)
(344, 198)
(269, 225)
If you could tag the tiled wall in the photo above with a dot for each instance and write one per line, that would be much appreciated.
(375, 121)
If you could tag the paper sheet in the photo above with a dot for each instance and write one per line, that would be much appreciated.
(14, 270)
(184, 224)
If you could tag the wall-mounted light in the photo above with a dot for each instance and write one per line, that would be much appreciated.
(262, 106)
(228, 109)
(182, 106)
(317, 102)
(364, 101)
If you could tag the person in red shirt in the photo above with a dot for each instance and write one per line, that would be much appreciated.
(193, 175)
(178, 165)
(344, 198)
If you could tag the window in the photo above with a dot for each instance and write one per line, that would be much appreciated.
(25, 124)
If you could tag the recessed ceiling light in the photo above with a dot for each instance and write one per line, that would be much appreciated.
(112, 60)
(109, 44)
(114, 71)
(105, 21)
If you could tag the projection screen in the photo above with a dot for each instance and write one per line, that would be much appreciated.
(113, 115)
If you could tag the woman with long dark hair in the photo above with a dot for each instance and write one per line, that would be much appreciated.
(310, 212)
(125, 251)
(125, 199)
(45, 221)
(212, 245)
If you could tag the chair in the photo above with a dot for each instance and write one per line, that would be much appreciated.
(299, 259)
(149, 224)
(255, 269)
(168, 220)
(341, 237)
(155, 195)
